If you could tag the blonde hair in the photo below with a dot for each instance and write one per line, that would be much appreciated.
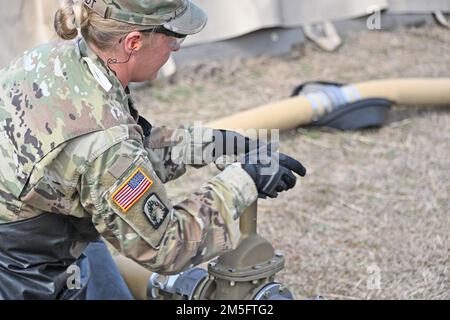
(103, 33)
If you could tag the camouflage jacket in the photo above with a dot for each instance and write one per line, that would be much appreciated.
(72, 145)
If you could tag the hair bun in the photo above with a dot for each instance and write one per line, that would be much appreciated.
(65, 21)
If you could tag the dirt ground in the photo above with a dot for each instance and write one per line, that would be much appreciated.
(372, 218)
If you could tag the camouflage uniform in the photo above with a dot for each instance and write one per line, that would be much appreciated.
(72, 147)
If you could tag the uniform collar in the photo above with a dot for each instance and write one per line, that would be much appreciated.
(102, 74)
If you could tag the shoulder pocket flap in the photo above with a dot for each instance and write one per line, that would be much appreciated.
(139, 199)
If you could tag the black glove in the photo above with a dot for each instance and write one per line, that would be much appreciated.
(232, 143)
(272, 172)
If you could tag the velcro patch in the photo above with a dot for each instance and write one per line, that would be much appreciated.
(155, 210)
(132, 190)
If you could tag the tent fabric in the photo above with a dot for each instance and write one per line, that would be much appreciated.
(301, 12)
(232, 18)
(418, 6)
(32, 21)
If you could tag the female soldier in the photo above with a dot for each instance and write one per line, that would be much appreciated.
(78, 161)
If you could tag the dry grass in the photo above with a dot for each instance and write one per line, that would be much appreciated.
(372, 200)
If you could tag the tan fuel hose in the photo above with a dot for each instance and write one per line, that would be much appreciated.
(136, 277)
(291, 113)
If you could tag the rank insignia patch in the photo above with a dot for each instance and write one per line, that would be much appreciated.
(155, 210)
(132, 190)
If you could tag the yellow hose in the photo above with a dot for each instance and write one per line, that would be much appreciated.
(297, 111)
(136, 277)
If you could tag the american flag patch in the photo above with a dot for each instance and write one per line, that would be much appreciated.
(132, 190)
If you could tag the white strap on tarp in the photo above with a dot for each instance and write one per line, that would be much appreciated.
(441, 19)
(324, 34)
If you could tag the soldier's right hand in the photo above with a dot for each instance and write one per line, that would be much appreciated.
(272, 172)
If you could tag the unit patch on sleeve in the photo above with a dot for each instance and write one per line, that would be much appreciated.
(155, 210)
(132, 190)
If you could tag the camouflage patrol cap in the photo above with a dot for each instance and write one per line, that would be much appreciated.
(180, 16)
